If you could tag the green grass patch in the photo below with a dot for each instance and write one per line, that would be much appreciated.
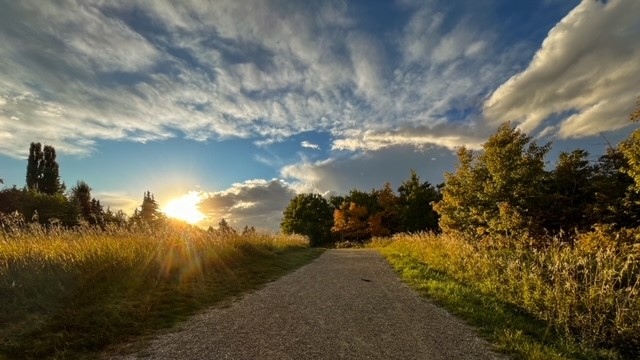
(510, 329)
(71, 295)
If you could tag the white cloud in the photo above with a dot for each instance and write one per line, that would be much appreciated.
(309, 145)
(586, 73)
(447, 136)
(240, 69)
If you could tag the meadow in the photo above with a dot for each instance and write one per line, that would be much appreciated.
(71, 293)
(564, 300)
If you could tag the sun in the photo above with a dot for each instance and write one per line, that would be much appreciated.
(185, 208)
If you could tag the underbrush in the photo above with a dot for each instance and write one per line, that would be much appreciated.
(71, 293)
(584, 291)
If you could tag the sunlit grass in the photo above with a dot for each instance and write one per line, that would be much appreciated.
(69, 293)
(564, 301)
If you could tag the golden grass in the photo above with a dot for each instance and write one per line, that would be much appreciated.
(587, 290)
(66, 292)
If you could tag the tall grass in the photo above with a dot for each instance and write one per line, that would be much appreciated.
(66, 293)
(586, 290)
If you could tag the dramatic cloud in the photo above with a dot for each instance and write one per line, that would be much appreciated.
(583, 80)
(76, 73)
(258, 203)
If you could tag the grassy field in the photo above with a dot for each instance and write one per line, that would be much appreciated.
(69, 294)
(566, 301)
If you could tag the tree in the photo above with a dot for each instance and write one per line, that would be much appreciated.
(118, 218)
(415, 201)
(149, 212)
(224, 228)
(630, 148)
(351, 221)
(89, 209)
(386, 220)
(460, 203)
(310, 215)
(81, 194)
(50, 173)
(499, 191)
(570, 185)
(43, 171)
(615, 200)
(34, 166)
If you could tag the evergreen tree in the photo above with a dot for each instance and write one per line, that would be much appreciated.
(416, 209)
(149, 212)
(570, 186)
(81, 193)
(225, 229)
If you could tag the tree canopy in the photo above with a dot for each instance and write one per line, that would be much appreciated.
(309, 215)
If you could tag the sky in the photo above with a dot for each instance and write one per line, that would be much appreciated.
(236, 106)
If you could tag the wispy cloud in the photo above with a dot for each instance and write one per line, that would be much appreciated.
(76, 73)
(73, 74)
(309, 145)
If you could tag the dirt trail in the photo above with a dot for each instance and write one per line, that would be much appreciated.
(347, 304)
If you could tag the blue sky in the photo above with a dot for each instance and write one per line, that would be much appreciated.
(249, 102)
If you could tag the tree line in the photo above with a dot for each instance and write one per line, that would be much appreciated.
(359, 215)
(503, 189)
(45, 199)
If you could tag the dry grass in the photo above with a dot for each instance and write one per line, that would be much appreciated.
(68, 293)
(587, 291)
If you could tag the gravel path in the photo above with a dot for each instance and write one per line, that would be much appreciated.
(347, 304)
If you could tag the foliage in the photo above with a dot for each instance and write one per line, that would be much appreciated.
(415, 202)
(309, 215)
(65, 293)
(616, 202)
(38, 207)
(587, 292)
(350, 221)
(149, 213)
(90, 209)
(225, 229)
(570, 184)
(43, 172)
(630, 148)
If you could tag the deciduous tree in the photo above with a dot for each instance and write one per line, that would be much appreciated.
(310, 215)
(499, 191)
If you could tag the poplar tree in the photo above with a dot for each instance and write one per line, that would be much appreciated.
(34, 164)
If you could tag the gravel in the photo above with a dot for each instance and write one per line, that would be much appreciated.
(347, 304)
